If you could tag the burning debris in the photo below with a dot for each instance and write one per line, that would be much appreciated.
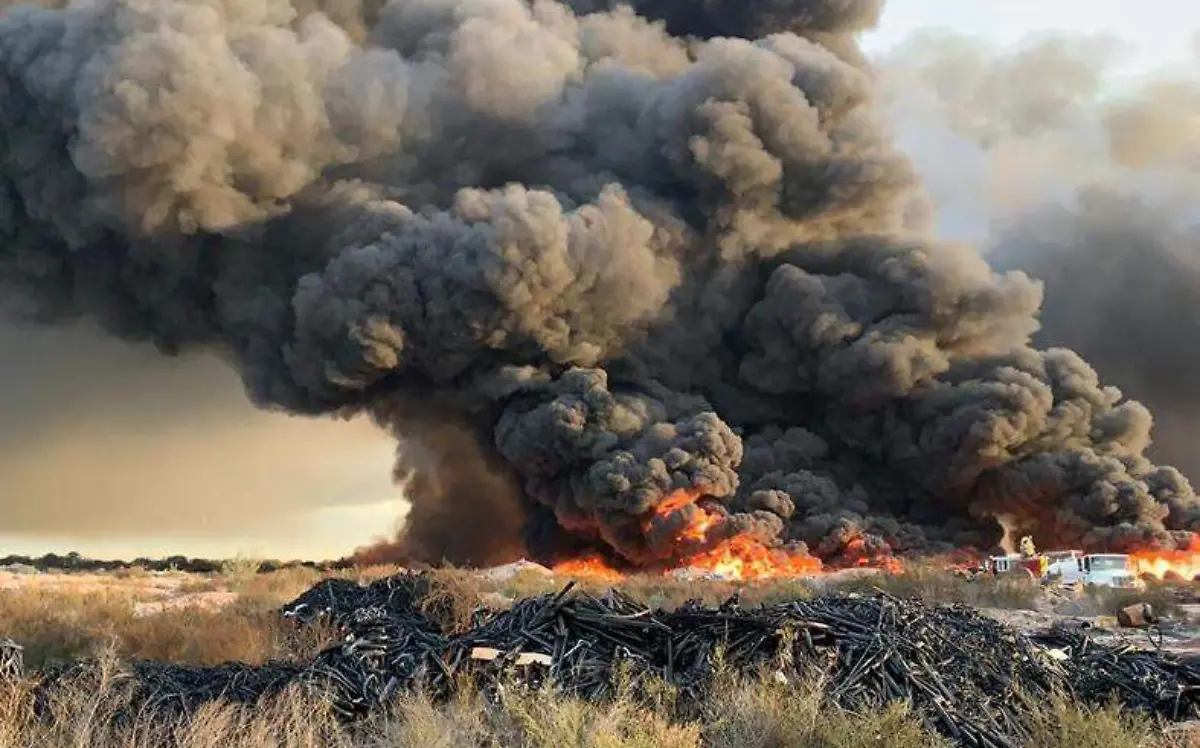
(652, 285)
(1179, 564)
(964, 674)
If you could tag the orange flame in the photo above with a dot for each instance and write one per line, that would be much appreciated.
(589, 567)
(1183, 563)
(857, 555)
(738, 558)
(744, 558)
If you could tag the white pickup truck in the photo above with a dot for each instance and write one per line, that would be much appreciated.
(1100, 569)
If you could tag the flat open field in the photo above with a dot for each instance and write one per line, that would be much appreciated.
(233, 616)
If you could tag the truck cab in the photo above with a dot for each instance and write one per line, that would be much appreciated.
(1014, 563)
(1066, 566)
(1100, 569)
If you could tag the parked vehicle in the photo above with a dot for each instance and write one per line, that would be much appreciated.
(1015, 563)
(1070, 567)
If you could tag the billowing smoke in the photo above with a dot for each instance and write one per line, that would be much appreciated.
(1086, 179)
(624, 255)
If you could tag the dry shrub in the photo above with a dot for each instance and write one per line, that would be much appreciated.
(670, 593)
(762, 713)
(773, 591)
(543, 720)
(365, 574)
(741, 713)
(292, 719)
(1106, 601)
(1066, 724)
(198, 584)
(239, 570)
(276, 588)
(61, 626)
(82, 710)
(936, 585)
(418, 723)
(130, 572)
(531, 583)
(55, 627)
(452, 598)
(202, 637)
(85, 718)
(652, 590)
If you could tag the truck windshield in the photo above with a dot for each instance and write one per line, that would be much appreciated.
(1107, 563)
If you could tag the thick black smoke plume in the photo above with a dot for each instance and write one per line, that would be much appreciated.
(1090, 255)
(1066, 168)
(631, 254)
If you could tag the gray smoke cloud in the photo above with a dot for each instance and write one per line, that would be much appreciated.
(612, 253)
(1086, 181)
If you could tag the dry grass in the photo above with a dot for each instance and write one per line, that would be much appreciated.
(55, 627)
(742, 714)
(1065, 724)
(936, 585)
(86, 721)
(240, 569)
(766, 714)
(1107, 601)
(453, 597)
(276, 588)
(926, 581)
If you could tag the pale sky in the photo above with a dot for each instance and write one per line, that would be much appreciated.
(1163, 33)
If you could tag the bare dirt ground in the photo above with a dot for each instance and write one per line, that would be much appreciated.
(1179, 633)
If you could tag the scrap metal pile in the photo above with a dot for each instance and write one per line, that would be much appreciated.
(964, 674)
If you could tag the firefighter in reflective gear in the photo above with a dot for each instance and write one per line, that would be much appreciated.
(1036, 565)
(1027, 549)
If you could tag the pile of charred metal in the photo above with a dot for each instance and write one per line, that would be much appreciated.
(966, 676)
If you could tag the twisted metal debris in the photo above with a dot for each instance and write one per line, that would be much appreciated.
(966, 676)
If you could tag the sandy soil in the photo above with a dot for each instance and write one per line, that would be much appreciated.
(149, 593)
(1176, 636)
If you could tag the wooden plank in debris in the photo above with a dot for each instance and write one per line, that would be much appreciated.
(485, 653)
(534, 658)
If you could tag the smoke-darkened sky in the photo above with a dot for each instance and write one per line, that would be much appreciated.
(176, 189)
